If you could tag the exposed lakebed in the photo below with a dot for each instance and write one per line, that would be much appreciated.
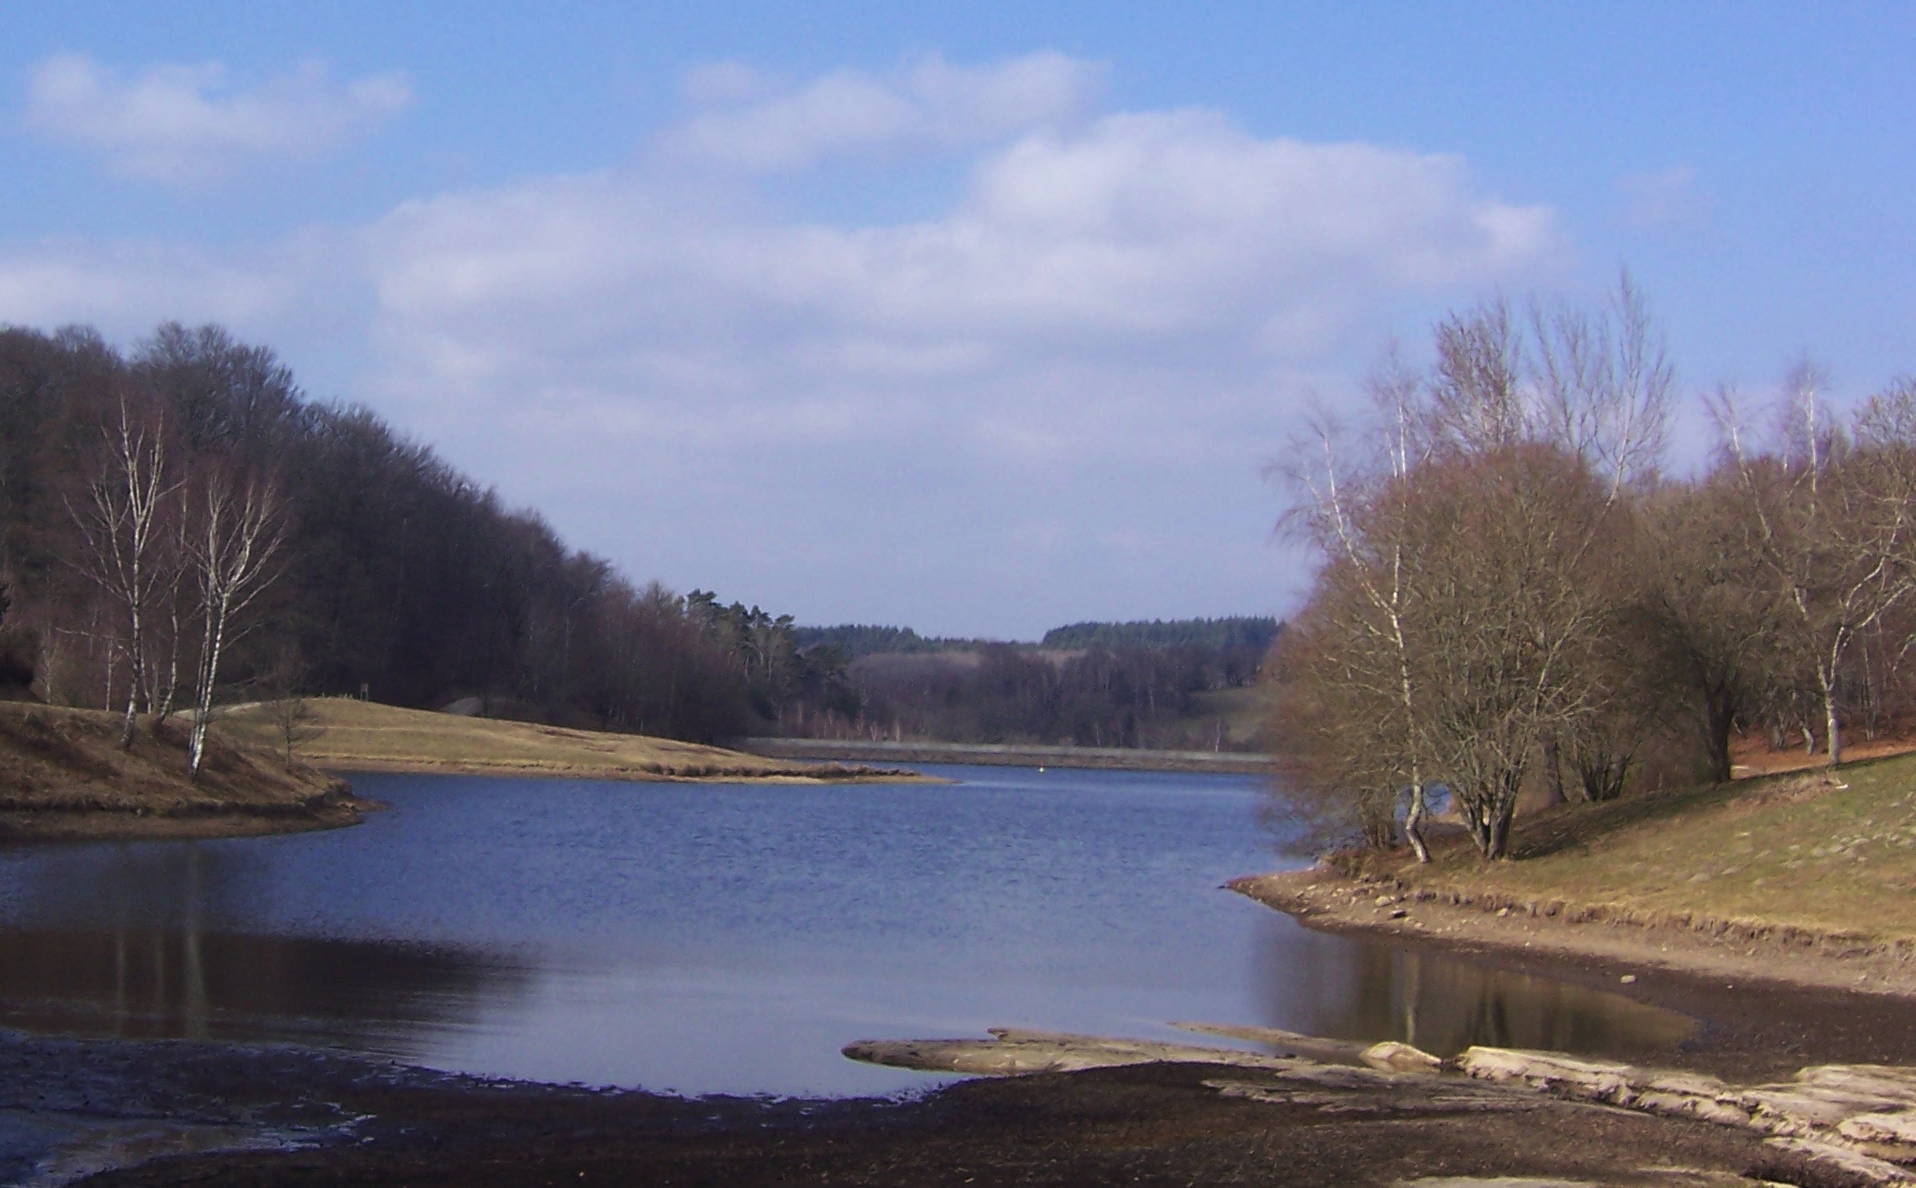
(731, 938)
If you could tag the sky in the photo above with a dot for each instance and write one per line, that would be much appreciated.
(974, 321)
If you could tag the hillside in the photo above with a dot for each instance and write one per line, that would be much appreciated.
(342, 734)
(62, 774)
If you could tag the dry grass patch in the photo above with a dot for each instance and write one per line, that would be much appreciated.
(345, 734)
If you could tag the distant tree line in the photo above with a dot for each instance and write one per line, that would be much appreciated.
(1515, 601)
(1251, 633)
(859, 639)
(181, 517)
(1123, 685)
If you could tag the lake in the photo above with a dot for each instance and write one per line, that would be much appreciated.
(731, 937)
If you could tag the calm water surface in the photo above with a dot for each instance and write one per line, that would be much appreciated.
(732, 938)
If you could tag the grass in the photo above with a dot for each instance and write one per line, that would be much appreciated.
(345, 734)
(1786, 851)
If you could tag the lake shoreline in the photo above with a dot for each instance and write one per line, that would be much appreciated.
(337, 810)
(265, 1115)
(1639, 960)
(1012, 755)
(806, 774)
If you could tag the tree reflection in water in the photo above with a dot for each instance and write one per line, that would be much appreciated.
(1444, 1005)
(143, 960)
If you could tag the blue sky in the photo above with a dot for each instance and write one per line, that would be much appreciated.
(978, 322)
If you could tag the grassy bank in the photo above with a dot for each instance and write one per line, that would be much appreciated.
(63, 774)
(1794, 876)
(340, 734)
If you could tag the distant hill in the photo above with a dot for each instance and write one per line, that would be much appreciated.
(1167, 685)
(1240, 631)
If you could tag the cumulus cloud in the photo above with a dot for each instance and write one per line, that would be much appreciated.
(1055, 386)
(191, 124)
(747, 121)
(1166, 226)
(1106, 320)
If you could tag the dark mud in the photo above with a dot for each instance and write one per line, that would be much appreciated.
(1151, 1124)
(121, 1113)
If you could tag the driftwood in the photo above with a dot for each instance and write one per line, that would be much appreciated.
(1858, 1120)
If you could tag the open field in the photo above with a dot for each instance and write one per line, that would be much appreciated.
(341, 734)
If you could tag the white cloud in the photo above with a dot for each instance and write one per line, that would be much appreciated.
(745, 121)
(1103, 327)
(1101, 320)
(189, 124)
(125, 288)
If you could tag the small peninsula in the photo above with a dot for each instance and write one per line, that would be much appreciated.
(63, 774)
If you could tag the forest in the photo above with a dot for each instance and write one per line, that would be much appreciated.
(1518, 600)
(1098, 684)
(181, 526)
(179, 522)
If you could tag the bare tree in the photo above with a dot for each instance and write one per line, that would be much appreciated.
(236, 529)
(1517, 592)
(1604, 381)
(120, 515)
(1833, 519)
(1478, 400)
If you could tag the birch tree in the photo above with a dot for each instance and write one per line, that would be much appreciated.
(120, 514)
(1358, 515)
(234, 533)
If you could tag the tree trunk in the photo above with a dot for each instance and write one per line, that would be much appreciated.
(1499, 847)
(209, 668)
(132, 710)
(1833, 727)
(1719, 715)
(1414, 823)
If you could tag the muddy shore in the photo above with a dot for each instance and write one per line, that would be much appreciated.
(336, 1120)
